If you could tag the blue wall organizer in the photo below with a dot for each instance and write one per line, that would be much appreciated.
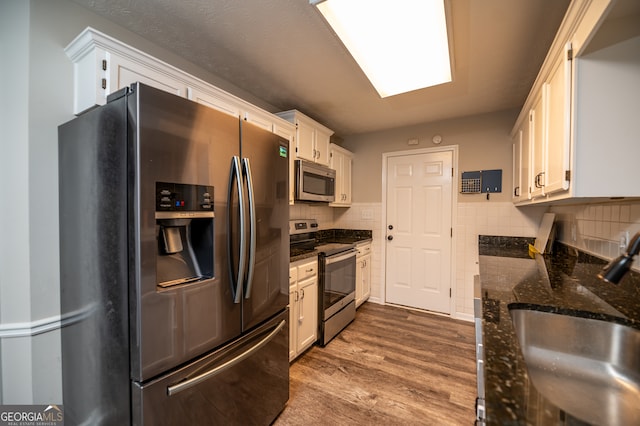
(482, 181)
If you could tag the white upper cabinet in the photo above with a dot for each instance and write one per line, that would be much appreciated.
(341, 160)
(581, 114)
(103, 65)
(214, 99)
(312, 138)
(557, 93)
(522, 163)
(537, 140)
(548, 126)
(322, 138)
(517, 186)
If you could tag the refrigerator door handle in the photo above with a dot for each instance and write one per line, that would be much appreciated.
(179, 387)
(246, 169)
(237, 286)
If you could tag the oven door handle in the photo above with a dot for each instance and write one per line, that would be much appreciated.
(340, 256)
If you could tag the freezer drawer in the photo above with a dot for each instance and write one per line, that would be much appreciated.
(245, 382)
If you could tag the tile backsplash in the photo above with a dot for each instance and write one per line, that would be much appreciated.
(593, 228)
(602, 229)
(358, 216)
(320, 212)
(492, 218)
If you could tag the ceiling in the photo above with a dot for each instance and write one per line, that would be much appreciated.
(283, 52)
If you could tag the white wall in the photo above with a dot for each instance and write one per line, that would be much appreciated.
(483, 143)
(15, 293)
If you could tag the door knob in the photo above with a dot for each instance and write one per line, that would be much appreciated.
(390, 227)
(390, 237)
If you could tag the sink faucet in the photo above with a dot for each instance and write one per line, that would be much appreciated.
(619, 266)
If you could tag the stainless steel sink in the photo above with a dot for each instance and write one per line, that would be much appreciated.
(587, 367)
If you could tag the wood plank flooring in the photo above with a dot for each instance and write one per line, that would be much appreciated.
(391, 366)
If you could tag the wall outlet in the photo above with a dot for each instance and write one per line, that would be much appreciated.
(366, 214)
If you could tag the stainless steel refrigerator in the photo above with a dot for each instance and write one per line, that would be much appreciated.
(174, 265)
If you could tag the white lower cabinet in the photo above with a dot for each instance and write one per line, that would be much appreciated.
(303, 306)
(363, 273)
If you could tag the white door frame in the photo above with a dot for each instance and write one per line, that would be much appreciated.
(454, 216)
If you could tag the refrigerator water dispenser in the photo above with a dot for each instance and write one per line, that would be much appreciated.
(184, 233)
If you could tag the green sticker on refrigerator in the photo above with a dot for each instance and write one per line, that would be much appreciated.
(283, 151)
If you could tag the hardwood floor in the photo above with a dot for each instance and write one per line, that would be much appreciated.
(391, 366)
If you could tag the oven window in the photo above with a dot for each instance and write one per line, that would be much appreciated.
(317, 184)
(339, 281)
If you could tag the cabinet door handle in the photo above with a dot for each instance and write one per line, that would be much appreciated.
(301, 307)
(516, 191)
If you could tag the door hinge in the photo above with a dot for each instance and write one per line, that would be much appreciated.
(104, 83)
(570, 54)
(452, 172)
(104, 65)
(451, 232)
(567, 175)
(449, 292)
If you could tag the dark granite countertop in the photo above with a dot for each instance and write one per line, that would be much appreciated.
(345, 236)
(563, 282)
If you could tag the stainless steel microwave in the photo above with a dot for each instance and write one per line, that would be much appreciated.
(315, 182)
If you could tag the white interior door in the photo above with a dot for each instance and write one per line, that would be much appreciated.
(418, 230)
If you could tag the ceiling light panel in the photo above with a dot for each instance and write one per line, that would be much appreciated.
(401, 45)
